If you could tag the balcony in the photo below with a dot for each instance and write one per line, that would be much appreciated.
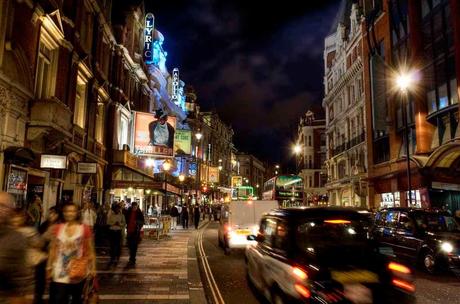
(50, 117)
(349, 144)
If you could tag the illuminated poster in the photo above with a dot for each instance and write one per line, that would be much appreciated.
(183, 142)
(154, 134)
(213, 174)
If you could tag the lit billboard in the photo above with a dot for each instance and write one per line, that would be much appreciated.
(154, 133)
(183, 142)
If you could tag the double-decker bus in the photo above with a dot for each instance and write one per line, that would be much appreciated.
(242, 193)
(286, 189)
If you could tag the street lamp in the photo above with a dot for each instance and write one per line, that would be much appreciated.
(166, 166)
(405, 81)
(296, 149)
(198, 137)
(181, 180)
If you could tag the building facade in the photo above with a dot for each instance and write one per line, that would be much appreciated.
(54, 59)
(345, 112)
(421, 37)
(252, 170)
(311, 161)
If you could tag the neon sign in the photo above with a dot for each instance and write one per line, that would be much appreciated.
(148, 35)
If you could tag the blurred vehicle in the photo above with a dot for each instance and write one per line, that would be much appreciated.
(323, 255)
(286, 189)
(428, 237)
(242, 193)
(240, 219)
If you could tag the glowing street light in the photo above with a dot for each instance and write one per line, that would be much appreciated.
(198, 136)
(166, 166)
(404, 81)
(297, 149)
(181, 178)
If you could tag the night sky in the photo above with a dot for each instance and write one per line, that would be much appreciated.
(258, 63)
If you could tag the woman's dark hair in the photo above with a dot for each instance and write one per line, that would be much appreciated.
(72, 204)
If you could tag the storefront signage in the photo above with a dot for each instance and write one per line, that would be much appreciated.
(148, 37)
(288, 194)
(53, 161)
(87, 168)
(183, 142)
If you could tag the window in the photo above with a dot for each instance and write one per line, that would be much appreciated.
(99, 133)
(45, 77)
(406, 223)
(309, 140)
(280, 239)
(453, 91)
(310, 162)
(391, 219)
(268, 230)
(80, 102)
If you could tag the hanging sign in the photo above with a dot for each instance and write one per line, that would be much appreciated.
(53, 161)
(148, 37)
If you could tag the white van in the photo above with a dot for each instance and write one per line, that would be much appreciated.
(239, 219)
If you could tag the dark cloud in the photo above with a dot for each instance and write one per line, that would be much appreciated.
(261, 67)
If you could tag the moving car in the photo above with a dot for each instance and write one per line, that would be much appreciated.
(240, 219)
(429, 237)
(323, 255)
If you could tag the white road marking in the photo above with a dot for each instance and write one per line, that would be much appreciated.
(207, 269)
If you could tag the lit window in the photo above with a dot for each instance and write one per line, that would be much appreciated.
(99, 134)
(443, 99)
(431, 98)
(45, 77)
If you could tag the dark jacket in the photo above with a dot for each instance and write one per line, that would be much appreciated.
(184, 212)
(139, 219)
(174, 212)
(171, 131)
(196, 212)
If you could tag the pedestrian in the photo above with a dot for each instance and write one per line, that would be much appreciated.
(46, 232)
(88, 215)
(196, 214)
(101, 228)
(117, 223)
(13, 249)
(72, 258)
(35, 211)
(174, 213)
(184, 216)
(179, 217)
(134, 222)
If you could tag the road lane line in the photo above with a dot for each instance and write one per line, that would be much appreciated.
(209, 276)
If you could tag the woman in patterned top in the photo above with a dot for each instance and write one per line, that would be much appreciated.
(72, 259)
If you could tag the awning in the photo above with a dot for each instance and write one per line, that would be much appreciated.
(19, 156)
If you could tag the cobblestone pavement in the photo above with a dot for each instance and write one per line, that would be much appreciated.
(161, 274)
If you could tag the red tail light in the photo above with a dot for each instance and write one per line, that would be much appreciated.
(299, 273)
(302, 290)
(398, 268)
(403, 285)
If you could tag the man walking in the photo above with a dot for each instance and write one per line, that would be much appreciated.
(196, 214)
(174, 213)
(88, 215)
(134, 223)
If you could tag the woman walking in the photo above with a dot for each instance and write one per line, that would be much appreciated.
(184, 216)
(72, 259)
(116, 222)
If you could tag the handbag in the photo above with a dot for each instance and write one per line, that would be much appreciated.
(78, 268)
(90, 291)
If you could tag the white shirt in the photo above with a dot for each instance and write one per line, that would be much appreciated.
(88, 217)
(161, 135)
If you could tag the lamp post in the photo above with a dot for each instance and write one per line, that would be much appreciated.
(198, 137)
(404, 81)
(166, 167)
(296, 149)
(181, 180)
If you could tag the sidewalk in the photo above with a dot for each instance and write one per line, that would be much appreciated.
(166, 272)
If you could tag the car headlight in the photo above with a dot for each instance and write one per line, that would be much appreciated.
(447, 247)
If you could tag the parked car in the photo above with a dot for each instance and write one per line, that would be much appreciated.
(428, 237)
(323, 255)
(240, 219)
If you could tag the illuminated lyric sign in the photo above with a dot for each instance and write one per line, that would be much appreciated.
(148, 37)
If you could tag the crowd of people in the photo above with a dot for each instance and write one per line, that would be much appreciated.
(58, 252)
